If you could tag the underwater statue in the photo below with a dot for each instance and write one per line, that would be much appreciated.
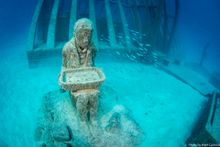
(80, 52)
(58, 122)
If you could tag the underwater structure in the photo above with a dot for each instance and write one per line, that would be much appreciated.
(143, 29)
(120, 26)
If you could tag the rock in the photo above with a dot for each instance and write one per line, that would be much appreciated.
(120, 128)
(114, 127)
(61, 133)
(114, 123)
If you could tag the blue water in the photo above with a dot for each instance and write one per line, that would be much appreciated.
(22, 88)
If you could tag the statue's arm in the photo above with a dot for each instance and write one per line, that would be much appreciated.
(70, 58)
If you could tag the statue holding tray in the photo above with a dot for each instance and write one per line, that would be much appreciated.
(78, 75)
(58, 125)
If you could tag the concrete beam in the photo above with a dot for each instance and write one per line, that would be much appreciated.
(124, 24)
(111, 31)
(52, 25)
(93, 18)
(73, 13)
(31, 36)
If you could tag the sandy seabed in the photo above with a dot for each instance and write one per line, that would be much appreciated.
(165, 108)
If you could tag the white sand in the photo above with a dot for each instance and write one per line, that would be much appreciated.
(164, 107)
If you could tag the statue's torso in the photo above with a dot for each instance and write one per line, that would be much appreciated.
(73, 57)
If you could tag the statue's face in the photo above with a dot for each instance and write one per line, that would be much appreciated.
(83, 37)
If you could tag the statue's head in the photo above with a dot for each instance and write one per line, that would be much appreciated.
(83, 32)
